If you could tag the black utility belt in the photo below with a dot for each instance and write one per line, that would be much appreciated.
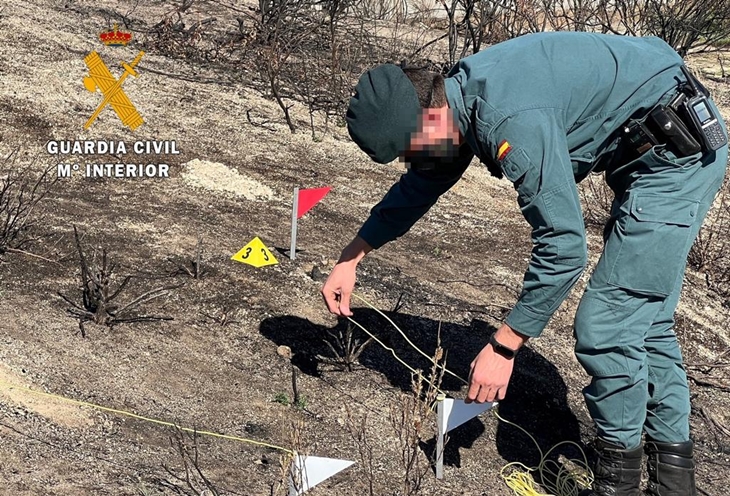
(686, 125)
(661, 126)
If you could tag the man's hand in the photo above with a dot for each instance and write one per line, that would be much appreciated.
(338, 288)
(490, 371)
(341, 281)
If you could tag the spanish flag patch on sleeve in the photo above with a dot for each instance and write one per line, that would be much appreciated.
(503, 149)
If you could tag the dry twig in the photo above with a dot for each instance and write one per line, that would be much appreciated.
(712, 421)
(20, 194)
(193, 479)
(710, 383)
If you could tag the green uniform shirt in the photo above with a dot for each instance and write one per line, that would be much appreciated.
(542, 109)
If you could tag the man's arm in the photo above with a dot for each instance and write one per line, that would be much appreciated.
(341, 281)
(540, 168)
(410, 198)
(538, 164)
(406, 202)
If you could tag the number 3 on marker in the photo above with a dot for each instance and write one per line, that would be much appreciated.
(248, 252)
(266, 255)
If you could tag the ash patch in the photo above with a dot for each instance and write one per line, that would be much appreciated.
(218, 177)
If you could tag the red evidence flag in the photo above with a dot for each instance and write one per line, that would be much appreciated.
(308, 198)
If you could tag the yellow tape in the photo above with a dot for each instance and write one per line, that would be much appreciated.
(145, 419)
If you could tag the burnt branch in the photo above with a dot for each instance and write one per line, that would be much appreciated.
(346, 346)
(20, 194)
(191, 479)
(98, 299)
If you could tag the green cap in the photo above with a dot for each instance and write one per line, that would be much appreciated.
(383, 113)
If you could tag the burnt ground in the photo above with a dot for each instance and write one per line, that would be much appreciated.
(460, 269)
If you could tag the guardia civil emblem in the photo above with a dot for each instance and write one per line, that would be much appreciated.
(101, 79)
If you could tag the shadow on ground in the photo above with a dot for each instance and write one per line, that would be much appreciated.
(536, 399)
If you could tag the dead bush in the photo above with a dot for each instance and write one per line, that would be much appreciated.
(313, 51)
(347, 345)
(292, 474)
(709, 254)
(413, 420)
(98, 298)
(596, 198)
(190, 480)
(281, 28)
(686, 25)
(358, 430)
(180, 36)
(384, 10)
(409, 416)
(21, 191)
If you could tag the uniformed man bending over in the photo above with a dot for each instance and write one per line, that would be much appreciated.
(545, 110)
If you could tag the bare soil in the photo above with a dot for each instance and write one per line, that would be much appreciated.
(215, 366)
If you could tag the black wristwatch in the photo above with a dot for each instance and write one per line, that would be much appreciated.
(501, 349)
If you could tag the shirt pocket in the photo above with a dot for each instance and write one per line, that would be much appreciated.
(525, 177)
(653, 243)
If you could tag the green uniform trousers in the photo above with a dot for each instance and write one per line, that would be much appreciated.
(624, 326)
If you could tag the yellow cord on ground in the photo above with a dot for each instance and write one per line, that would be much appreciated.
(145, 419)
(567, 482)
(392, 351)
(405, 336)
(556, 477)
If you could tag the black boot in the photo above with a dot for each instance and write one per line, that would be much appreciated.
(671, 469)
(617, 471)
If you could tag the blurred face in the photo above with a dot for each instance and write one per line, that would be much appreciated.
(437, 137)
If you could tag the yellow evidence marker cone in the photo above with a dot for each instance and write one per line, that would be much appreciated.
(255, 253)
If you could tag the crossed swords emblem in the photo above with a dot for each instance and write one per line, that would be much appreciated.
(100, 78)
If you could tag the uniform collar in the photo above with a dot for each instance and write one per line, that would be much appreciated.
(455, 100)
